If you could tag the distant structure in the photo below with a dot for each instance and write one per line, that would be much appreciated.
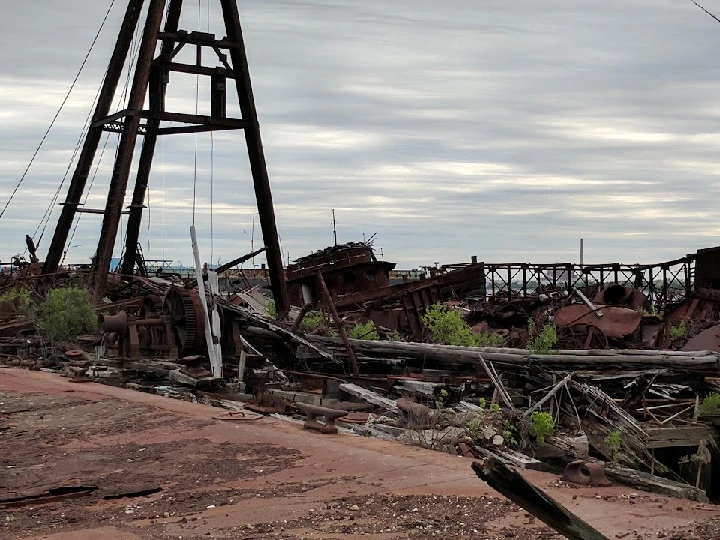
(346, 269)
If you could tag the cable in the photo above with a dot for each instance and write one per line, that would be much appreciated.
(212, 169)
(162, 212)
(705, 10)
(134, 51)
(46, 216)
(212, 174)
(197, 97)
(68, 244)
(62, 106)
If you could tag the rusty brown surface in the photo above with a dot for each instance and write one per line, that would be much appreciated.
(616, 322)
(707, 340)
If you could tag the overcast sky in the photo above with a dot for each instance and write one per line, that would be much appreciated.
(506, 130)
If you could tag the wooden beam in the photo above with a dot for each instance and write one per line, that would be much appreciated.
(512, 485)
(664, 437)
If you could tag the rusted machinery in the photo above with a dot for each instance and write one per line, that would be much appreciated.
(184, 307)
(132, 335)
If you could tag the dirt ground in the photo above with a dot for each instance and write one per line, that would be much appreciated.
(88, 461)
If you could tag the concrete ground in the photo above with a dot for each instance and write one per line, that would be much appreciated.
(127, 465)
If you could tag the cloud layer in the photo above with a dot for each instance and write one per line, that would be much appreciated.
(503, 130)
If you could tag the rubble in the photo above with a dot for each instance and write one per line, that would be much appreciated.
(636, 409)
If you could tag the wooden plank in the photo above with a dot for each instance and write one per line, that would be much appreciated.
(664, 437)
(513, 486)
(215, 362)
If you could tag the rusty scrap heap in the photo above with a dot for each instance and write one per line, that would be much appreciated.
(624, 393)
(609, 373)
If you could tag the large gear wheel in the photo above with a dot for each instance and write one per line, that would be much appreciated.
(185, 309)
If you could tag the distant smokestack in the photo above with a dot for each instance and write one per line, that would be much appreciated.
(582, 252)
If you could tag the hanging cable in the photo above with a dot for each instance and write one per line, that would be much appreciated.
(162, 211)
(46, 216)
(705, 10)
(122, 99)
(212, 174)
(62, 106)
(212, 169)
(68, 245)
(197, 97)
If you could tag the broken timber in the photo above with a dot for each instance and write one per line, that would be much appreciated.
(339, 324)
(702, 362)
(513, 486)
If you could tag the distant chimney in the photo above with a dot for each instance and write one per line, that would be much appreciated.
(474, 259)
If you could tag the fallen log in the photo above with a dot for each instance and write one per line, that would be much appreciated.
(655, 484)
(704, 362)
(534, 500)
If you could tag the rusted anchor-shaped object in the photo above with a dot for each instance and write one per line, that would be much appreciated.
(586, 473)
(314, 411)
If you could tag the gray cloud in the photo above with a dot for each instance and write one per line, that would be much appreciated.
(503, 130)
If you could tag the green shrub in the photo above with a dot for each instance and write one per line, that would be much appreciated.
(494, 407)
(67, 313)
(449, 327)
(365, 331)
(510, 433)
(271, 309)
(440, 400)
(710, 405)
(541, 342)
(614, 442)
(312, 321)
(17, 300)
(543, 426)
(474, 426)
(679, 331)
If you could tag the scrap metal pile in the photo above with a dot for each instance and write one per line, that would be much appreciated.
(612, 400)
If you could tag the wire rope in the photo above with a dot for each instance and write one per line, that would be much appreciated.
(57, 114)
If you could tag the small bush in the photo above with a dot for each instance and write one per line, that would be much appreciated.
(440, 400)
(679, 331)
(365, 331)
(271, 309)
(17, 300)
(474, 426)
(710, 405)
(449, 327)
(614, 442)
(543, 426)
(541, 342)
(312, 321)
(67, 313)
(510, 433)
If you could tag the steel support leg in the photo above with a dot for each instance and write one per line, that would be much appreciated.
(256, 155)
(92, 140)
(157, 103)
(121, 171)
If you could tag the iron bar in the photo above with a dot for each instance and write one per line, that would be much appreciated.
(256, 155)
(123, 161)
(158, 88)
